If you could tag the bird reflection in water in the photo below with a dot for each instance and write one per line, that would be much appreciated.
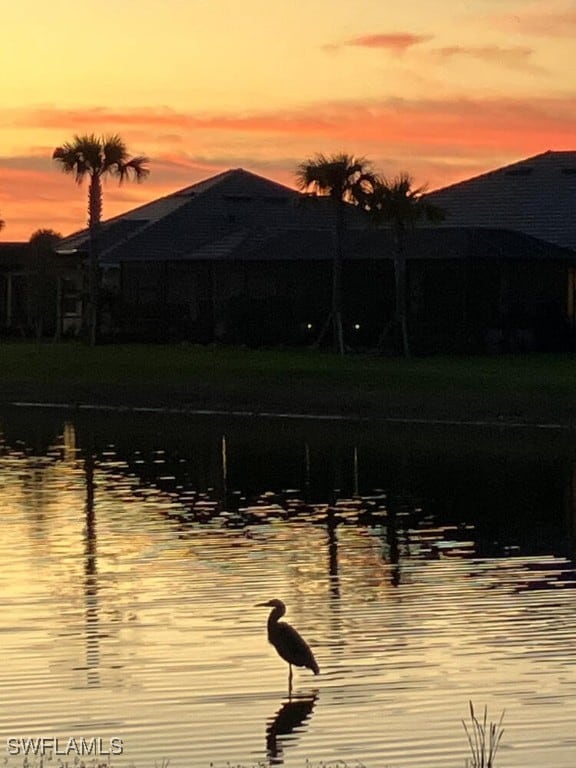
(289, 644)
(291, 715)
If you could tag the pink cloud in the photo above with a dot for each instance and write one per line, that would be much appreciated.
(396, 42)
(514, 56)
(541, 23)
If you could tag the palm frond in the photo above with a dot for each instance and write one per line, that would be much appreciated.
(114, 151)
(337, 176)
(82, 156)
(135, 168)
(398, 202)
(89, 148)
(92, 155)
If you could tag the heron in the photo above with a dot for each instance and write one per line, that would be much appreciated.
(289, 644)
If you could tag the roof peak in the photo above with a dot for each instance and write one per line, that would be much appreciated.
(535, 195)
(159, 207)
(549, 158)
(230, 175)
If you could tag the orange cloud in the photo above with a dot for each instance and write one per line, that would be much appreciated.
(102, 119)
(450, 122)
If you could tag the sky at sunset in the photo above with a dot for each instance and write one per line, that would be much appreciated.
(444, 90)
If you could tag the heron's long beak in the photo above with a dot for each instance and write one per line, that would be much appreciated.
(262, 605)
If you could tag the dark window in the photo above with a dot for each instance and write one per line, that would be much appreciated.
(70, 306)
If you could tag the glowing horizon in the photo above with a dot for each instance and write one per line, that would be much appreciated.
(441, 93)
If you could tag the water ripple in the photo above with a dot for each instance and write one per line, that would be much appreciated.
(127, 610)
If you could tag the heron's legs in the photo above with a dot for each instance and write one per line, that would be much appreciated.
(290, 680)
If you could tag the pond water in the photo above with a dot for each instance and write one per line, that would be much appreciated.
(426, 567)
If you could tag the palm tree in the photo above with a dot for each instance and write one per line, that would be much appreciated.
(96, 157)
(402, 206)
(342, 178)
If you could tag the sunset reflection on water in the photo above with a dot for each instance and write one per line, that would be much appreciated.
(127, 610)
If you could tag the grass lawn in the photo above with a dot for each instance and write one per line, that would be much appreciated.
(530, 388)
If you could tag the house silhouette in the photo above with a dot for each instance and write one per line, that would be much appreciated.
(240, 258)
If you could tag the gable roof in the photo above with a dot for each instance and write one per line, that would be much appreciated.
(209, 217)
(238, 215)
(536, 196)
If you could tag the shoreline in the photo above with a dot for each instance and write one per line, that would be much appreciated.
(537, 392)
(295, 416)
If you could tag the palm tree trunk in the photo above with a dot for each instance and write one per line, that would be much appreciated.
(338, 330)
(94, 217)
(401, 291)
(337, 323)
